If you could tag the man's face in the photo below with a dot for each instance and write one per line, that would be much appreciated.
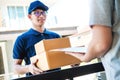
(38, 17)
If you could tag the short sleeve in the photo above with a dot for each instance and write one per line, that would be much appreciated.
(18, 49)
(101, 12)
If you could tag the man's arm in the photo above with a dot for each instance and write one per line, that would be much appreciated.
(19, 69)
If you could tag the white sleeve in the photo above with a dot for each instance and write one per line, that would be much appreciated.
(101, 12)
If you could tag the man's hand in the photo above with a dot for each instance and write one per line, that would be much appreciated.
(75, 65)
(33, 68)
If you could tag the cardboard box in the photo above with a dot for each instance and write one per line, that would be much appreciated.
(48, 59)
(49, 44)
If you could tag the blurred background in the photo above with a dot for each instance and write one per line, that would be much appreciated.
(66, 17)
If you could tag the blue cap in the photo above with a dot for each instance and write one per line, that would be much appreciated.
(37, 5)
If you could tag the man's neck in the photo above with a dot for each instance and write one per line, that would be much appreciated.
(39, 29)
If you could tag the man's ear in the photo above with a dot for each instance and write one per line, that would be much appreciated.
(29, 16)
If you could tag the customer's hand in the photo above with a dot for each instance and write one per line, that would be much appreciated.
(83, 57)
(78, 55)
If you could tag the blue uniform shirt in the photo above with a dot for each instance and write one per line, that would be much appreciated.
(24, 45)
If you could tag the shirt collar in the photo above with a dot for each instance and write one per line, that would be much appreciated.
(32, 31)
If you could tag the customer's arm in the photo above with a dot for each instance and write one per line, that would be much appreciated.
(100, 43)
